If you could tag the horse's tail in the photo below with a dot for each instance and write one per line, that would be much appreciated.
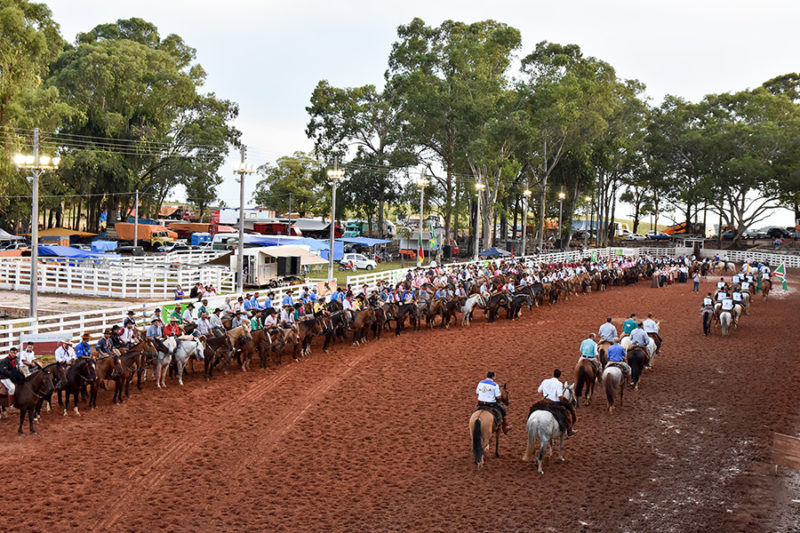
(581, 379)
(610, 390)
(477, 441)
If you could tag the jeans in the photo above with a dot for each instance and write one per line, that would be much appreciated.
(696, 286)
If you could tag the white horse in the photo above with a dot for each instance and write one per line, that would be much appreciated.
(163, 360)
(737, 314)
(542, 426)
(725, 321)
(185, 347)
(469, 305)
(651, 345)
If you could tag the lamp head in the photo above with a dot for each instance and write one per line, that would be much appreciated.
(335, 174)
(587, 198)
(526, 193)
(479, 187)
(561, 196)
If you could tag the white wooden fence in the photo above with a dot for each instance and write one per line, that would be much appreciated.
(114, 279)
(73, 325)
(792, 261)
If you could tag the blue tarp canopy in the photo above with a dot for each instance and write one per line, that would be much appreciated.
(495, 252)
(148, 221)
(104, 246)
(364, 241)
(315, 245)
(68, 251)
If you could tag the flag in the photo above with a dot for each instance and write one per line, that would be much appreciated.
(594, 257)
(433, 244)
(420, 252)
(780, 273)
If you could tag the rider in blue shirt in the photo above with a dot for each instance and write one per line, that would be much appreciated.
(288, 300)
(440, 294)
(83, 349)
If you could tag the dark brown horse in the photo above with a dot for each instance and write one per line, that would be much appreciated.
(58, 373)
(79, 374)
(307, 329)
(409, 310)
(586, 374)
(362, 322)
(495, 302)
(108, 368)
(637, 359)
(37, 386)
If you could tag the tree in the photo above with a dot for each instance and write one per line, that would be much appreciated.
(298, 179)
(29, 43)
(569, 98)
(443, 80)
(140, 117)
(745, 136)
(366, 119)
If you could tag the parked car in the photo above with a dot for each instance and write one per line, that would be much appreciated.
(173, 247)
(635, 237)
(360, 261)
(755, 234)
(15, 245)
(778, 233)
(657, 236)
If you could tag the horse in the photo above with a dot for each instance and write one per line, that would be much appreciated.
(79, 374)
(614, 384)
(409, 310)
(766, 286)
(482, 428)
(362, 322)
(469, 305)
(162, 361)
(182, 349)
(130, 362)
(495, 302)
(586, 373)
(517, 301)
(26, 397)
(542, 425)
(725, 322)
(449, 311)
(282, 337)
(637, 359)
(708, 318)
(107, 369)
(58, 373)
(262, 342)
(334, 325)
(306, 330)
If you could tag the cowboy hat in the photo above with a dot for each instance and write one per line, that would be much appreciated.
(86, 336)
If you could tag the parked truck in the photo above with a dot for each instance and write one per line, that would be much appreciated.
(149, 234)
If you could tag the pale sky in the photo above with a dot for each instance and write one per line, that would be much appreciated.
(268, 56)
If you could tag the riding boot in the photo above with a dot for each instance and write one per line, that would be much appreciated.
(506, 427)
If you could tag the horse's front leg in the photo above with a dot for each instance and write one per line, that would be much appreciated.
(561, 448)
(497, 443)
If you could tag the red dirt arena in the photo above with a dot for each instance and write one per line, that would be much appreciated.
(374, 438)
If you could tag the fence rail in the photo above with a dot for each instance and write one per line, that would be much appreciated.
(111, 279)
(792, 261)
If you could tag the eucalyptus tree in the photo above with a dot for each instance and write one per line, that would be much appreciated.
(141, 121)
(364, 118)
(569, 98)
(446, 82)
(295, 182)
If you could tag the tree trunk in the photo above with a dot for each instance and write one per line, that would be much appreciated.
(613, 213)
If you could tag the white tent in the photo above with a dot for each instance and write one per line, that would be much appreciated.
(6, 236)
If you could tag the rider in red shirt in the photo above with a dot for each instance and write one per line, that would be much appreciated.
(172, 329)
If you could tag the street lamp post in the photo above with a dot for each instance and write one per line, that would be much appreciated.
(479, 187)
(561, 197)
(588, 199)
(335, 175)
(421, 183)
(241, 168)
(37, 164)
(526, 194)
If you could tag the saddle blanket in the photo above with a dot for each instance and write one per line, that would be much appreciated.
(498, 415)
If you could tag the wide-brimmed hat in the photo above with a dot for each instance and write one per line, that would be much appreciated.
(173, 319)
(86, 336)
(218, 309)
(107, 332)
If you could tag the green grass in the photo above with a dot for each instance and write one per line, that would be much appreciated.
(341, 277)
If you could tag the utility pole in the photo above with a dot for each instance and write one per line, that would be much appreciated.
(136, 220)
(35, 228)
(479, 187)
(334, 175)
(242, 169)
(289, 230)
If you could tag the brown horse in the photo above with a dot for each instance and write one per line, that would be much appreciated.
(107, 368)
(766, 286)
(37, 385)
(362, 323)
(307, 329)
(586, 374)
(482, 429)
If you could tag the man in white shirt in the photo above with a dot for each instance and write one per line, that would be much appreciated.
(489, 397)
(651, 328)
(26, 357)
(204, 325)
(128, 335)
(217, 328)
(607, 331)
(187, 317)
(65, 354)
(552, 390)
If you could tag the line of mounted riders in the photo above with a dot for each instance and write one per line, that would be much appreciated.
(731, 301)
(491, 289)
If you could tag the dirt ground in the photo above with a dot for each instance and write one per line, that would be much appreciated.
(61, 303)
(374, 438)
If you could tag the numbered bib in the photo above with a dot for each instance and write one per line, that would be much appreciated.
(745, 285)
(727, 304)
(708, 301)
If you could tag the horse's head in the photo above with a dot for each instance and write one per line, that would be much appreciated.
(88, 369)
(59, 375)
(568, 393)
(504, 393)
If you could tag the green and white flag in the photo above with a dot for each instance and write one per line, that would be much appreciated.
(594, 257)
(780, 273)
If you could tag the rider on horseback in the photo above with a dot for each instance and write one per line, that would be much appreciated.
(639, 337)
(489, 398)
(551, 389)
(607, 331)
(616, 357)
(629, 325)
(589, 352)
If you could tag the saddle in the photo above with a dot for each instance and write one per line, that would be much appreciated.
(492, 408)
(618, 365)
